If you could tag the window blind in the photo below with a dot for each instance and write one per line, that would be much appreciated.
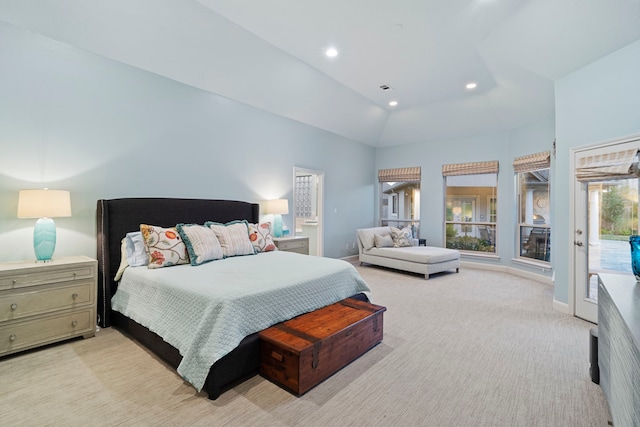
(473, 168)
(532, 162)
(608, 166)
(411, 174)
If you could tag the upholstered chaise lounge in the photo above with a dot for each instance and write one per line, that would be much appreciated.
(374, 247)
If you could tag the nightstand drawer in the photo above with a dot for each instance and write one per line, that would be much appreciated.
(290, 244)
(293, 244)
(37, 301)
(23, 278)
(16, 336)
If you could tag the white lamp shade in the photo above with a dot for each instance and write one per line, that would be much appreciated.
(277, 206)
(44, 203)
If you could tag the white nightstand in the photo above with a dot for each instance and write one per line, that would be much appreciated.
(293, 244)
(41, 303)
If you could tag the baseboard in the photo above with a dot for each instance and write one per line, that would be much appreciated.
(351, 258)
(510, 270)
(562, 307)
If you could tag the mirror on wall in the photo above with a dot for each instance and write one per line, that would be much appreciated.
(307, 207)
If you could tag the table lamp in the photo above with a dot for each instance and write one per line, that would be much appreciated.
(45, 205)
(277, 207)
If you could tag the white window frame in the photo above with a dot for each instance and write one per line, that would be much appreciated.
(484, 239)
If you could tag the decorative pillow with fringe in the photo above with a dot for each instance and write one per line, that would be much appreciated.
(202, 243)
(233, 237)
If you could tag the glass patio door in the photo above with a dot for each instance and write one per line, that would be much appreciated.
(605, 215)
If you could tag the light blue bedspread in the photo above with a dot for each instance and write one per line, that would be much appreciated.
(205, 311)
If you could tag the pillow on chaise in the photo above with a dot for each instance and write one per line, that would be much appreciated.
(383, 241)
(401, 237)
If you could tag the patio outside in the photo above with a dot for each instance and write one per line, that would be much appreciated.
(616, 204)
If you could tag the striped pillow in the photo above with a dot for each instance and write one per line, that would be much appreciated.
(233, 237)
(202, 243)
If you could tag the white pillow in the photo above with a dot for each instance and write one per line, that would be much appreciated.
(123, 260)
(132, 253)
(136, 250)
(383, 241)
(233, 237)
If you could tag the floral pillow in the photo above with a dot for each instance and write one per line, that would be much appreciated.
(164, 246)
(401, 237)
(261, 237)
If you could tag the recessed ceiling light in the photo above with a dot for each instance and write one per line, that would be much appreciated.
(472, 85)
(393, 103)
(331, 52)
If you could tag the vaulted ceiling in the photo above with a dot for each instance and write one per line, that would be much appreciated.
(271, 54)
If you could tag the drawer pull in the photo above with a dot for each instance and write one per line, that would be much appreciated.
(74, 323)
(12, 337)
(74, 295)
(15, 281)
(14, 306)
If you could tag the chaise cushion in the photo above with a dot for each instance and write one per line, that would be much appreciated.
(417, 254)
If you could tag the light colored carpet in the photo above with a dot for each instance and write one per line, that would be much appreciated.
(471, 349)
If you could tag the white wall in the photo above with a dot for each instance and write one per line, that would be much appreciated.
(101, 129)
(598, 103)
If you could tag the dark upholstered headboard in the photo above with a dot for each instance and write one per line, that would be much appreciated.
(117, 217)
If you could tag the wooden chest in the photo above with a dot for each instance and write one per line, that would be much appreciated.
(300, 353)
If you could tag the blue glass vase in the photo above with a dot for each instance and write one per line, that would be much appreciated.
(634, 241)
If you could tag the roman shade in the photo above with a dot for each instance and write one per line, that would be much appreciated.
(411, 174)
(532, 162)
(473, 168)
(608, 166)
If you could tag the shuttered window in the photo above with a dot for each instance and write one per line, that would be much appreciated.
(473, 168)
(533, 228)
(400, 197)
(399, 175)
(608, 166)
(532, 162)
(471, 207)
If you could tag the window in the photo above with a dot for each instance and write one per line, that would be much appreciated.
(532, 184)
(471, 206)
(305, 200)
(400, 198)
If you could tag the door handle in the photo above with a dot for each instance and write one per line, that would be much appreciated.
(577, 243)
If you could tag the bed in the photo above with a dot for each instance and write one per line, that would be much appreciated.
(117, 217)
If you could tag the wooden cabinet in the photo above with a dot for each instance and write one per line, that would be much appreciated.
(293, 244)
(41, 303)
(619, 346)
